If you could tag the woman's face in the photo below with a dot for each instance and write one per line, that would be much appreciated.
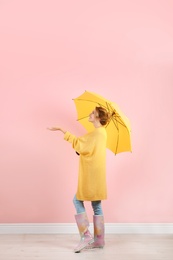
(93, 116)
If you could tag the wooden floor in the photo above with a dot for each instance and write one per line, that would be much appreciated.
(60, 247)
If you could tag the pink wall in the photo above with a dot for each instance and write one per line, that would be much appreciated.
(52, 51)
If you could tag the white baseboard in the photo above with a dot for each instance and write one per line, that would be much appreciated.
(71, 228)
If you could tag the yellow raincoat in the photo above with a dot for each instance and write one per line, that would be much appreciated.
(92, 164)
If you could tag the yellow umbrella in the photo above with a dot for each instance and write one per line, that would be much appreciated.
(118, 128)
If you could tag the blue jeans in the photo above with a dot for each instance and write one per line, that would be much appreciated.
(80, 208)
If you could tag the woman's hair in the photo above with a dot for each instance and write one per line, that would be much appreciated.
(103, 115)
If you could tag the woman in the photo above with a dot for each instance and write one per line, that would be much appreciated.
(91, 179)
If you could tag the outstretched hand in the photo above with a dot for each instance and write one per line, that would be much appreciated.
(55, 128)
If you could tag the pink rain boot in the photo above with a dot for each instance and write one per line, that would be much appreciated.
(99, 232)
(86, 238)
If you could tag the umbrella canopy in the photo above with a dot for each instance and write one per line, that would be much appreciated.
(118, 129)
